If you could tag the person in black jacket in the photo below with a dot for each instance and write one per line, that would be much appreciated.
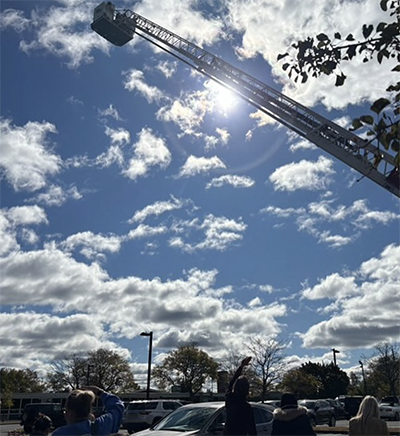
(239, 413)
(290, 419)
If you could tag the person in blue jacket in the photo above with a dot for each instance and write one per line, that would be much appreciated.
(79, 417)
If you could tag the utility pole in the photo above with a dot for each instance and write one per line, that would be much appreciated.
(150, 335)
(334, 355)
(363, 376)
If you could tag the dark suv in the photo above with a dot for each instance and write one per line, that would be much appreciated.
(319, 412)
(31, 411)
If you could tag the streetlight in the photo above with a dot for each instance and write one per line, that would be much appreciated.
(363, 376)
(334, 355)
(150, 335)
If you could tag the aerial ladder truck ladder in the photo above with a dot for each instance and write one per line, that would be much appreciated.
(119, 27)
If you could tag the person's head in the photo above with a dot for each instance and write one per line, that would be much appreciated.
(78, 406)
(368, 408)
(42, 425)
(288, 401)
(241, 387)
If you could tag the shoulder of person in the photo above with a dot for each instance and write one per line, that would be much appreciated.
(289, 414)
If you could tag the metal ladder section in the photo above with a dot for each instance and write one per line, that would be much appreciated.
(368, 159)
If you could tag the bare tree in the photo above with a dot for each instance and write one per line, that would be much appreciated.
(267, 361)
(384, 368)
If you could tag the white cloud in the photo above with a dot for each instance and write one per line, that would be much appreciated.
(145, 231)
(217, 233)
(110, 112)
(134, 80)
(14, 19)
(55, 31)
(303, 175)
(284, 24)
(187, 112)
(56, 195)
(156, 209)
(26, 215)
(185, 21)
(118, 136)
(367, 304)
(200, 165)
(26, 160)
(351, 220)
(167, 68)
(148, 151)
(232, 180)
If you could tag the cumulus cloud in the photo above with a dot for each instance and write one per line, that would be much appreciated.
(134, 81)
(148, 151)
(55, 31)
(232, 180)
(351, 220)
(218, 233)
(26, 159)
(156, 209)
(367, 304)
(303, 175)
(57, 195)
(90, 245)
(200, 165)
(284, 24)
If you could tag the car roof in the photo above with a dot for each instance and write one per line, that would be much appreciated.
(152, 401)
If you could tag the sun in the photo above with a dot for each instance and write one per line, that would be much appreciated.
(224, 99)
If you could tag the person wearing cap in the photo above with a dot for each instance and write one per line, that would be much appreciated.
(291, 419)
(79, 416)
(239, 414)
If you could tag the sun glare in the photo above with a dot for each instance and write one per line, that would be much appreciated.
(224, 99)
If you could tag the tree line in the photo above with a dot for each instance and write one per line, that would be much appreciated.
(191, 368)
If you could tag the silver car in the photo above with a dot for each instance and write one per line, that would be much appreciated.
(206, 418)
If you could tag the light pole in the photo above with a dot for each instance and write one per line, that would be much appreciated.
(363, 376)
(150, 335)
(334, 355)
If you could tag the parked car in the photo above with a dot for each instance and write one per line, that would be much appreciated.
(31, 411)
(351, 405)
(142, 414)
(201, 419)
(274, 403)
(319, 412)
(389, 410)
(338, 407)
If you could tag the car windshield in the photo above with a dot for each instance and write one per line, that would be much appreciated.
(186, 419)
(307, 404)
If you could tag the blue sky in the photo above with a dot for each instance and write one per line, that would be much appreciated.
(136, 195)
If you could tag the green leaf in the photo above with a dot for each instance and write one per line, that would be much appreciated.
(356, 124)
(340, 80)
(367, 119)
(350, 37)
(367, 30)
(285, 66)
(383, 5)
(281, 56)
(380, 27)
(379, 105)
(322, 37)
(394, 145)
(396, 68)
(338, 35)
(304, 77)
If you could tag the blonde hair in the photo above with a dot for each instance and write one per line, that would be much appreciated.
(80, 402)
(369, 408)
